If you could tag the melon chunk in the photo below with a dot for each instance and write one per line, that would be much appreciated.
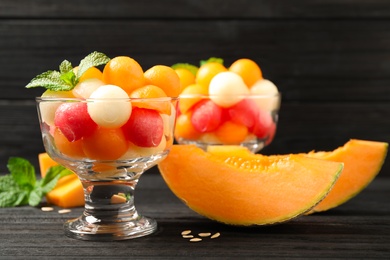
(68, 195)
(68, 192)
(247, 190)
(362, 160)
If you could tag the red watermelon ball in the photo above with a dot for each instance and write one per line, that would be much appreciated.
(206, 116)
(145, 127)
(74, 121)
(264, 125)
(244, 113)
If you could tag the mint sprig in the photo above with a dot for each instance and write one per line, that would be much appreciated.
(65, 79)
(20, 186)
(212, 59)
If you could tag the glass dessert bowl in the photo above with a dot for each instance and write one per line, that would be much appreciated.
(249, 120)
(108, 143)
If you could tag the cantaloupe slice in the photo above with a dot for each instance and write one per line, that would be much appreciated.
(68, 193)
(45, 163)
(250, 190)
(362, 160)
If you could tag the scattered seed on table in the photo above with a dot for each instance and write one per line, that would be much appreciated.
(195, 239)
(188, 236)
(64, 211)
(185, 232)
(47, 208)
(215, 235)
(204, 234)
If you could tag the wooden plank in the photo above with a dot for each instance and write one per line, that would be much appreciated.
(212, 9)
(317, 61)
(357, 229)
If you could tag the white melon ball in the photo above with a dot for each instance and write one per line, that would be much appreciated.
(266, 88)
(109, 106)
(227, 88)
(85, 88)
(48, 109)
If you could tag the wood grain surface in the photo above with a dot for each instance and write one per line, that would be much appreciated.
(358, 229)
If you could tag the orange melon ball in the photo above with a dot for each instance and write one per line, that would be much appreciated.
(71, 149)
(186, 78)
(207, 71)
(185, 129)
(146, 94)
(231, 133)
(164, 77)
(249, 71)
(105, 144)
(124, 72)
(190, 96)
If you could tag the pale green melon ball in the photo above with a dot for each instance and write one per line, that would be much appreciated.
(109, 106)
(227, 89)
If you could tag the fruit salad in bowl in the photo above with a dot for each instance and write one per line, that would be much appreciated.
(108, 127)
(227, 106)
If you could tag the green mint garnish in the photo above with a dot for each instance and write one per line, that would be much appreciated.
(192, 68)
(20, 186)
(212, 59)
(65, 79)
(92, 60)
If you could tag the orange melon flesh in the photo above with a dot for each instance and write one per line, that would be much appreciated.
(68, 192)
(250, 190)
(362, 160)
(68, 195)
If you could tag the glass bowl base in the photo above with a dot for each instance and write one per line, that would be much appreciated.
(253, 146)
(81, 228)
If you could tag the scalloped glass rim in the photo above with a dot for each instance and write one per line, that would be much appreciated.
(55, 99)
(252, 96)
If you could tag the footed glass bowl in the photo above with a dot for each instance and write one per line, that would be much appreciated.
(108, 143)
(247, 120)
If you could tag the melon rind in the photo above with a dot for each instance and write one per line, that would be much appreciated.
(362, 160)
(283, 187)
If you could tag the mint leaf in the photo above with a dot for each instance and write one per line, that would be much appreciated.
(35, 196)
(50, 80)
(22, 172)
(69, 78)
(20, 186)
(52, 176)
(10, 192)
(65, 67)
(211, 59)
(13, 198)
(7, 182)
(192, 68)
(66, 79)
(92, 60)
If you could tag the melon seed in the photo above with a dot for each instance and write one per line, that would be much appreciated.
(188, 236)
(195, 239)
(63, 211)
(47, 208)
(185, 232)
(204, 234)
(215, 235)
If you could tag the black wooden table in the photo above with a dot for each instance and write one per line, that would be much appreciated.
(359, 229)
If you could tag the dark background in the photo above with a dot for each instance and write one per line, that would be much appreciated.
(330, 59)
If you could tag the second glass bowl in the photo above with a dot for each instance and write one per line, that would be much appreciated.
(246, 120)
